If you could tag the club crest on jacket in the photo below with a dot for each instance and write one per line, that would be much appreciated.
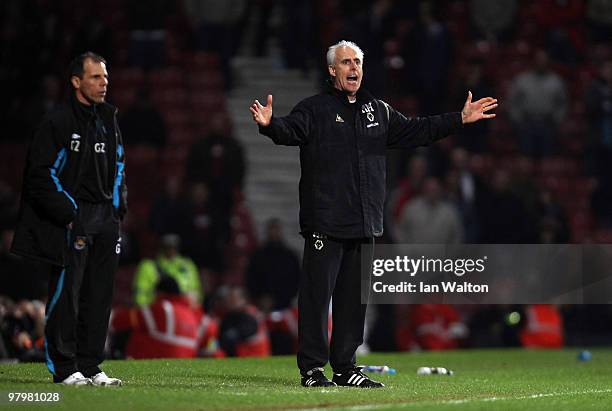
(80, 243)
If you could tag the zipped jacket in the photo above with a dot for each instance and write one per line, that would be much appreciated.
(61, 149)
(342, 157)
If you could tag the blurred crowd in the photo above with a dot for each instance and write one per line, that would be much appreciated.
(537, 174)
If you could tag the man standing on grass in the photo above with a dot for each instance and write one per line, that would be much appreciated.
(73, 197)
(343, 134)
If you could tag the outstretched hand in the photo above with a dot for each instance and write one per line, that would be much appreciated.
(475, 111)
(262, 114)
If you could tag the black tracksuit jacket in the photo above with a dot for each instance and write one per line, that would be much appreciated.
(59, 153)
(342, 157)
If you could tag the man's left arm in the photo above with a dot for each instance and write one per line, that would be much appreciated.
(420, 131)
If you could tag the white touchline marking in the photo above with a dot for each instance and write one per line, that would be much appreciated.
(458, 402)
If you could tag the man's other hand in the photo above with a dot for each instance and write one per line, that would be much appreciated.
(262, 114)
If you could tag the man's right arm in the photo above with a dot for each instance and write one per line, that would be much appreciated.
(291, 130)
(47, 158)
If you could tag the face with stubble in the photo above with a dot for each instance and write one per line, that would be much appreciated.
(91, 87)
(347, 70)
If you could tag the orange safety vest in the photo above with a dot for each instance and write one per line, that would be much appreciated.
(544, 327)
(168, 328)
(258, 345)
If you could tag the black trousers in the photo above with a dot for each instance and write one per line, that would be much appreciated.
(331, 269)
(80, 294)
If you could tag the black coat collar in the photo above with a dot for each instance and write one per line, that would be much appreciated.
(363, 96)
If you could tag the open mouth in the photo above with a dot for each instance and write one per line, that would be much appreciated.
(352, 79)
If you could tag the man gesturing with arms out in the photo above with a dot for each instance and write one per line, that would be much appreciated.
(343, 134)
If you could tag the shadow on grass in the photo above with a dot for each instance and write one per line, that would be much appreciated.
(255, 380)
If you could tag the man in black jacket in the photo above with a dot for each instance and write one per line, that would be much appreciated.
(343, 134)
(73, 198)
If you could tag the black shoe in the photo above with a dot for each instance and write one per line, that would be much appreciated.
(316, 378)
(355, 378)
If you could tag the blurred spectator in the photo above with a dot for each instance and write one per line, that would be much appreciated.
(218, 27)
(537, 103)
(598, 108)
(562, 24)
(168, 327)
(408, 187)
(371, 26)
(429, 53)
(242, 329)
(168, 263)
(273, 272)
(141, 123)
(283, 330)
(217, 160)
(598, 102)
(299, 38)
(169, 210)
(242, 243)
(206, 234)
(543, 327)
(432, 327)
(523, 185)
(428, 219)
(493, 19)
(147, 23)
(23, 329)
(264, 10)
(552, 222)
(473, 78)
(465, 190)
(599, 16)
(503, 215)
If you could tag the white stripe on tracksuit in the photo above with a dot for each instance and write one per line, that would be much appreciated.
(168, 337)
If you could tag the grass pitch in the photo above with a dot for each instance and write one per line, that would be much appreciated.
(483, 380)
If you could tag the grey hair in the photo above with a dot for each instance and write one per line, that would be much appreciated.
(331, 52)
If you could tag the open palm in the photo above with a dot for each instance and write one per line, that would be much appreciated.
(475, 111)
(262, 114)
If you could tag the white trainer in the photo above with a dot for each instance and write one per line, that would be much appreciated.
(77, 379)
(103, 380)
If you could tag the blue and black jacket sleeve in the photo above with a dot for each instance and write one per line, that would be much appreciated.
(47, 159)
(120, 186)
